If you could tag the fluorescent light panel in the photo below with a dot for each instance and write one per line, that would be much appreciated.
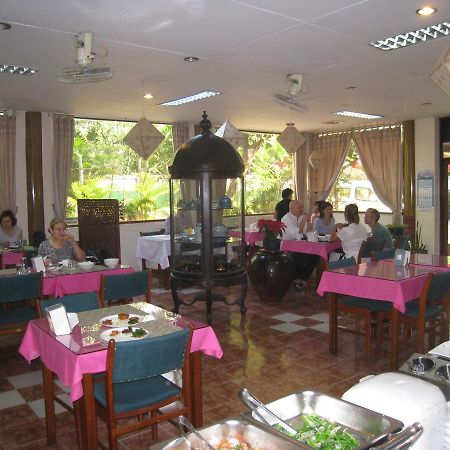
(17, 70)
(191, 98)
(413, 37)
(357, 115)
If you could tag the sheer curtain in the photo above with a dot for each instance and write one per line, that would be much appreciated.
(300, 170)
(7, 163)
(380, 153)
(328, 154)
(63, 127)
(180, 134)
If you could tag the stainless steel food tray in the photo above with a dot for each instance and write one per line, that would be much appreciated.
(253, 433)
(367, 426)
(429, 375)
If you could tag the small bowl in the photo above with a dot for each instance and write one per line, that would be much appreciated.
(443, 373)
(420, 365)
(111, 262)
(86, 265)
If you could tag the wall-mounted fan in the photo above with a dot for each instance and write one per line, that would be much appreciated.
(84, 71)
(289, 99)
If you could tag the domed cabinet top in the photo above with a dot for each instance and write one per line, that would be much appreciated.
(206, 152)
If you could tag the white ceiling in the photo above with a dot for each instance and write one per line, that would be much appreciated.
(246, 49)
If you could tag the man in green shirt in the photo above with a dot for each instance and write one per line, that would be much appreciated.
(379, 232)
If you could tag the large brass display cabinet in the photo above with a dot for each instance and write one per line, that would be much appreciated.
(206, 202)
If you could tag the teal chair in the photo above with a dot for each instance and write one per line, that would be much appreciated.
(361, 308)
(121, 288)
(427, 312)
(133, 385)
(17, 296)
(85, 301)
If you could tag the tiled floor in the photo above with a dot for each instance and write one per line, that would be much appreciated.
(278, 350)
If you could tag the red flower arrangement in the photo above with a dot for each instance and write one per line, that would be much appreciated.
(270, 228)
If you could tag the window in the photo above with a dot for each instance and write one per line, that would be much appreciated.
(353, 186)
(104, 167)
(268, 170)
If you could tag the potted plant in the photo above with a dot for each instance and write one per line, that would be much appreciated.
(271, 229)
(416, 244)
(397, 231)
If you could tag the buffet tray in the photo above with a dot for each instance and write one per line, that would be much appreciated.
(367, 426)
(252, 433)
(429, 375)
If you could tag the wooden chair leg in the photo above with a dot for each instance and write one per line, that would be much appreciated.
(154, 426)
(379, 332)
(367, 333)
(432, 334)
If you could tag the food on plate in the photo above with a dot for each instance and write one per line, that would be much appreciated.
(123, 316)
(107, 322)
(127, 331)
(322, 434)
(114, 333)
(133, 320)
(138, 333)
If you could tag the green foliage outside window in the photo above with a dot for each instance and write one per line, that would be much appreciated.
(104, 167)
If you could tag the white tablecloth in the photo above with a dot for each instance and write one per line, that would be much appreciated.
(156, 250)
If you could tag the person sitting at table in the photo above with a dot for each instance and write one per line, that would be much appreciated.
(10, 233)
(61, 245)
(182, 219)
(316, 210)
(325, 223)
(351, 234)
(282, 207)
(297, 224)
(379, 232)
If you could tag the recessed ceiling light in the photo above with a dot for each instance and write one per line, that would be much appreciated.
(426, 103)
(148, 96)
(413, 37)
(17, 70)
(350, 88)
(191, 98)
(358, 115)
(191, 59)
(5, 26)
(426, 11)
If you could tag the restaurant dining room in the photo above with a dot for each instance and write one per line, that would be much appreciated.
(225, 225)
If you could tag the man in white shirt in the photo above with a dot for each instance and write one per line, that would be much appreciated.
(297, 224)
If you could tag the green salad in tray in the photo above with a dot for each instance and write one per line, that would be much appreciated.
(321, 434)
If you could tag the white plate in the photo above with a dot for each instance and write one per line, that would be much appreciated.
(116, 322)
(106, 335)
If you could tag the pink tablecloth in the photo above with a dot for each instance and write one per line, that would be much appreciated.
(69, 367)
(61, 285)
(377, 281)
(10, 258)
(322, 249)
(251, 236)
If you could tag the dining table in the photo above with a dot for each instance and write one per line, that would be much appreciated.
(76, 357)
(10, 257)
(381, 280)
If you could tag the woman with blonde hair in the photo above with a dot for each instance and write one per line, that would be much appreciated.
(61, 245)
(351, 234)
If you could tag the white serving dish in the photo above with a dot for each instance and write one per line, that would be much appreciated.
(408, 399)
(111, 262)
(86, 265)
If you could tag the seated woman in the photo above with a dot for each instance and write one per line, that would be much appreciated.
(10, 233)
(61, 245)
(316, 210)
(325, 223)
(351, 235)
